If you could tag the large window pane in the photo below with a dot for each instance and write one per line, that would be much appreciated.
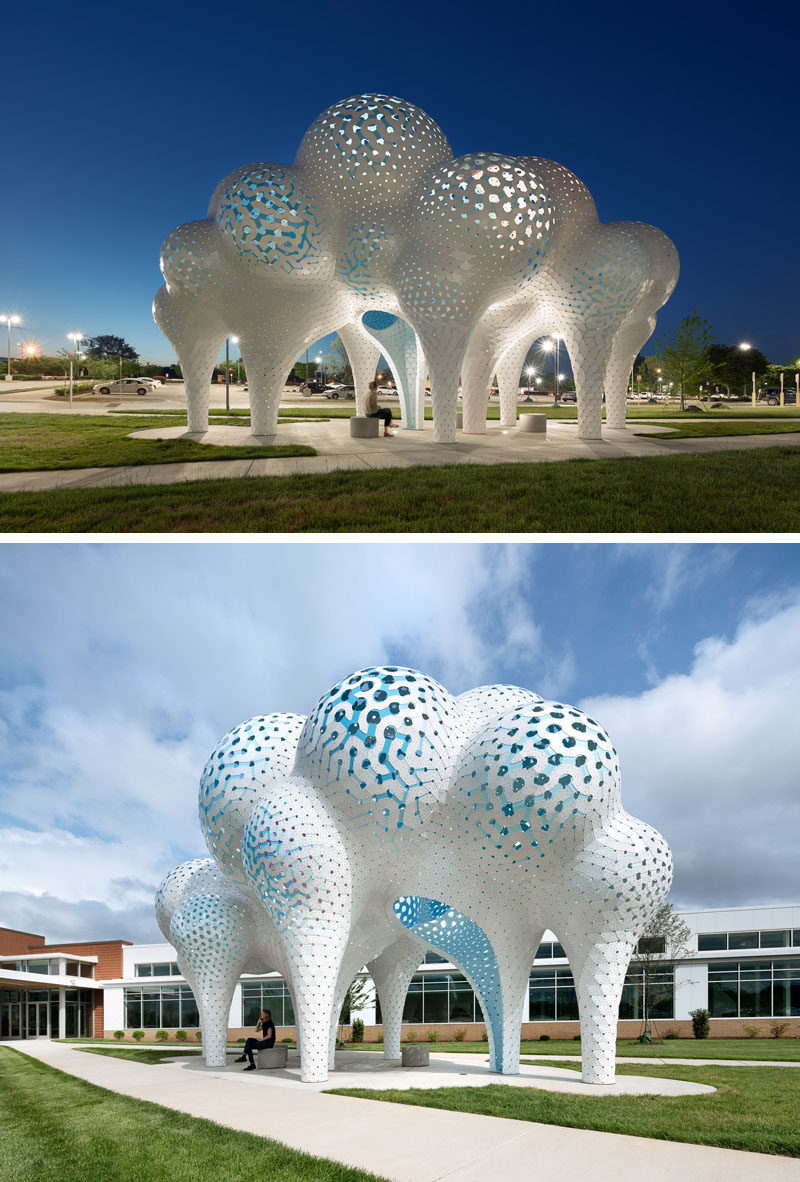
(723, 999)
(170, 1013)
(288, 1008)
(189, 1012)
(542, 1003)
(435, 997)
(712, 942)
(251, 1003)
(630, 1005)
(161, 970)
(462, 1000)
(544, 951)
(151, 1008)
(133, 1009)
(780, 939)
(738, 940)
(143, 970)
(272, 994)
(412, 1010)
(566, 1004)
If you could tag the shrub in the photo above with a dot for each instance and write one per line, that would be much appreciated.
(138, 1035)
(358, 1030)
(750, 1031)
(433, 1036)
(162, 1036)
(180, 1036)
(576, 1038)
(645, 1036)
(544, 1038)
(411, 1036)
(693, 409)
(289, 1041)
(119, 1035)
(459, 1035)
(700, 1027)
(777, 1029)
(717, 406)
(198, 1035)
(671, 1034)
(379, 1038)
(484, 1036)
(77, 388)
(240, 1042)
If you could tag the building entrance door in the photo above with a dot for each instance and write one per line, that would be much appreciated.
(38, 1024)
(11, 1019)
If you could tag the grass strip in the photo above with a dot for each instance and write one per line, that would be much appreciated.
(139, 1055)
(754, 1108)
(30, 443)
(57, 1127)
(778, 1050)
(750, 491)
(708, 428)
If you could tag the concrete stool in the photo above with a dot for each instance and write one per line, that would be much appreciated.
(414, 1056)
(363, 428)
(535, 423)
(272, 1057)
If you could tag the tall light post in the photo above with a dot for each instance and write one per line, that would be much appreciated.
(235, 341)
(745, 346)
(227, 374)
(531, 372)
(11, 321)
(76, 338)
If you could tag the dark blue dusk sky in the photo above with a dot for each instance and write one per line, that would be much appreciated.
(121, 119)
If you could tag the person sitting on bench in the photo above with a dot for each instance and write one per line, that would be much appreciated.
(264, 1024)
(373, 411)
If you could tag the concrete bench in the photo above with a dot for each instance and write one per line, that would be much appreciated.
(362, 427)
(535, 423)
(415, 1056)
(272, 1057)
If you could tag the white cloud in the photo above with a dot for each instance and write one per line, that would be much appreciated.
(710, 758)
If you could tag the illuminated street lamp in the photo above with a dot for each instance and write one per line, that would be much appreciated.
(10, 321)
(235, 341)
(531, 372)
(745, 346)
(76, 338)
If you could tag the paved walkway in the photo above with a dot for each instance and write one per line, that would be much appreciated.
(412, 1144)
(336, 451)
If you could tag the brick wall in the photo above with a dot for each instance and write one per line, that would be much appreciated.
(108, 968)
(16, 943)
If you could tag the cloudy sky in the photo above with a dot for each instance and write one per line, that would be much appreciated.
(121, 665)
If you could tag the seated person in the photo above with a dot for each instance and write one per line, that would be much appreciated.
(264, 1024)
(373, 411)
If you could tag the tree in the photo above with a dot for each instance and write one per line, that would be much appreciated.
(338, 362)
(357, 996)
(663, 943)
(107, 347)
(685, 360)
(734, 366)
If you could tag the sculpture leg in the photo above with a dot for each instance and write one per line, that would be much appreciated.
(211, 936)
(515, 953)
(392, 972)
(476, 376)
(627, 344)
(364, 355)
(509, 368)
(589, 353)
(445, 353)
(197, 333)
(599, 972)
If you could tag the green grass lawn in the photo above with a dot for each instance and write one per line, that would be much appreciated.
(56, 1127)
(751, 491)
(755, 1108)
(34, 442)
(139, 1055)
(785, 1050)
(718, 427)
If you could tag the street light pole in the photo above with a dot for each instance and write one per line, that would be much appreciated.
(235, 341)
(9, 320)
(227, 375)
(558, 362)
(75, 337)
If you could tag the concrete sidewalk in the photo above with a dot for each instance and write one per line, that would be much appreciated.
(336, 451)
(409, 1144)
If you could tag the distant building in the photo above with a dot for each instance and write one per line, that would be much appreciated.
(743, 966)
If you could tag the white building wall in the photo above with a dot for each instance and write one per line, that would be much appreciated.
(114, 1007)
(691, 988)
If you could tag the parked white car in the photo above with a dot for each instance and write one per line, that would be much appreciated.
(126, 386)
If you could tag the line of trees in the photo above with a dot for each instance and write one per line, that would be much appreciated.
(693, 359)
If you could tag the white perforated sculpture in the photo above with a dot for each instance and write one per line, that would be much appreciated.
(397, 817)
(477, 256)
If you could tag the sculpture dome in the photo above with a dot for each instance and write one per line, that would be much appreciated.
(371, 148)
